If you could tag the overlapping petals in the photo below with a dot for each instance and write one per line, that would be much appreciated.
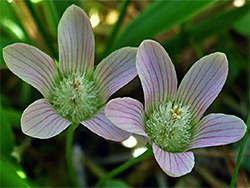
(115, 71)
(33, 66)
(40, 120)
(127, 114)
(100, 125)
(218, 129)
(157, 74)
(76, 42)
(203, 82)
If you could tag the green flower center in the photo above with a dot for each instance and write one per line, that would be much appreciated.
(75, 98)
(169, 127)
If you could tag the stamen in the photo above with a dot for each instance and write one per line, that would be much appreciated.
(178, 117)
(179, 112)
(169, 127)
(75, 83)
(76, 101)
(171, 111)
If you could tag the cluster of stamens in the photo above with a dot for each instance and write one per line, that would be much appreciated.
(168, 126)
(176, 112)
(75, 98)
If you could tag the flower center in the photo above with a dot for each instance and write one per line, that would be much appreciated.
(169, 127)
(75, 98)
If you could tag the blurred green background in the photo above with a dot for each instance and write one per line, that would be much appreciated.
(187, 29)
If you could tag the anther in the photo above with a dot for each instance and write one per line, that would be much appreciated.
(174, 115)
(179, 112)
(178, 117)
(176, 108)
(171, 111)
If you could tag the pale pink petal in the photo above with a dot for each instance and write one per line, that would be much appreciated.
(76, 42)
(157, 74)
(40, 120)
(203, 83)
(115, 71)
(100, 125)
(218, 129)
(33, 66)
(127, 114)
(174, 164)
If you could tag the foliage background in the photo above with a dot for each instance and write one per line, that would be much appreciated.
(187, 29)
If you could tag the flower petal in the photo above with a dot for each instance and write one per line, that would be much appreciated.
(127, 114)
(157, 74)
(115, 71)
(100, 125)
(40, 120)
(76, 42)
(174, 164)
(202, 83)
(32, 65)
(218, 129)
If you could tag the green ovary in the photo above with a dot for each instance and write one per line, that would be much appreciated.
(75, 98)
(169, 127)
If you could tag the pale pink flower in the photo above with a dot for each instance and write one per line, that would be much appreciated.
(172, 119)
(76, 93)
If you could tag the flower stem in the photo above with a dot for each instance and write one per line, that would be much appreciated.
(69, 143)
(123, 167)
(243, 142)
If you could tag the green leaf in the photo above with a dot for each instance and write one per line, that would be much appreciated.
(14, 117)
(158, 17)
(242, 146)
(205, 29)
(7, 142)
(9, 177)
(242, 26)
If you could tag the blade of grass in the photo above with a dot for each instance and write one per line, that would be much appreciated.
(51, 15)
(9, 176)
(158, 17)
(41, 28)
(205, 29)
(112, 36)
(243, 142)
(7, 141)
(123, 167)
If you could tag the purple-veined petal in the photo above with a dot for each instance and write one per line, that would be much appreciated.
(157, 74)
(217, 129)
(32, 65)
(115, 71)
(100, 125)
(203, 83)
(40, 120)
(174, 164)
(76, 42)
(127, 114)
